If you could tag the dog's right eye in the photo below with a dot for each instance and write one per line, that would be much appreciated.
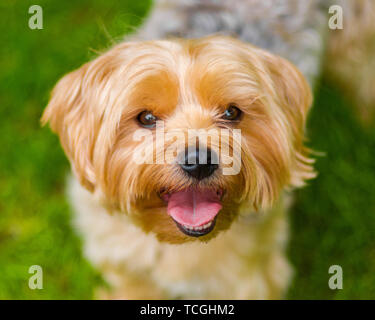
(147, 119)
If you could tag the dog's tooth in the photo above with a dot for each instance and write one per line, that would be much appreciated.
(199, 228)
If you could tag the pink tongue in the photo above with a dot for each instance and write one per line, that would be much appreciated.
(193, 208)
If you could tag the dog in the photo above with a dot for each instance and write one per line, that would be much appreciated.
(183, 229)
(177, 230)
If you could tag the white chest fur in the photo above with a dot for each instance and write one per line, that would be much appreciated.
(247, 261)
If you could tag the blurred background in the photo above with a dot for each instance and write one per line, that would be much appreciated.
(332, 220)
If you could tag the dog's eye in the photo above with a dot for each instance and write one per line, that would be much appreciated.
(147, 119)
(232, 113)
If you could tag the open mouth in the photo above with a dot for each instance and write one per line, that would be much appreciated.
(194, 210)
(197, 231)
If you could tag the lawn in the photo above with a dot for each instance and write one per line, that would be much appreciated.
(332, 218)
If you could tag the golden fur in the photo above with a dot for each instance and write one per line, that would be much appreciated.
(187, 84)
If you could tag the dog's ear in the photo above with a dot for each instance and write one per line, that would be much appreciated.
(85, 109)
(292, 90)
(294, 98)
(69, 116)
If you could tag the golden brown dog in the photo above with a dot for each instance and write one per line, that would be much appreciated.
(168, 230)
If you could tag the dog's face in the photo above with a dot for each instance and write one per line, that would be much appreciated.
(115, 107)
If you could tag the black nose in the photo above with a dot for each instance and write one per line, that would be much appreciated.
(198, 170)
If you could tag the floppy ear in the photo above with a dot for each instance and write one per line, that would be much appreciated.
(294, 98)
(68, 115)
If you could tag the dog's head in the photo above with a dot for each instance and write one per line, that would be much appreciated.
(181, 134)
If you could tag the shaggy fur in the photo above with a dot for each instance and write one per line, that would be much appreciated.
(294, 29)
(188, 84)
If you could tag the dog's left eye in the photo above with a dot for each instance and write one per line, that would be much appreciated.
(147, 119)
(232, 113)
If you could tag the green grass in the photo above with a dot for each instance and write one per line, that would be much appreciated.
(34, 215)
(332, 220)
